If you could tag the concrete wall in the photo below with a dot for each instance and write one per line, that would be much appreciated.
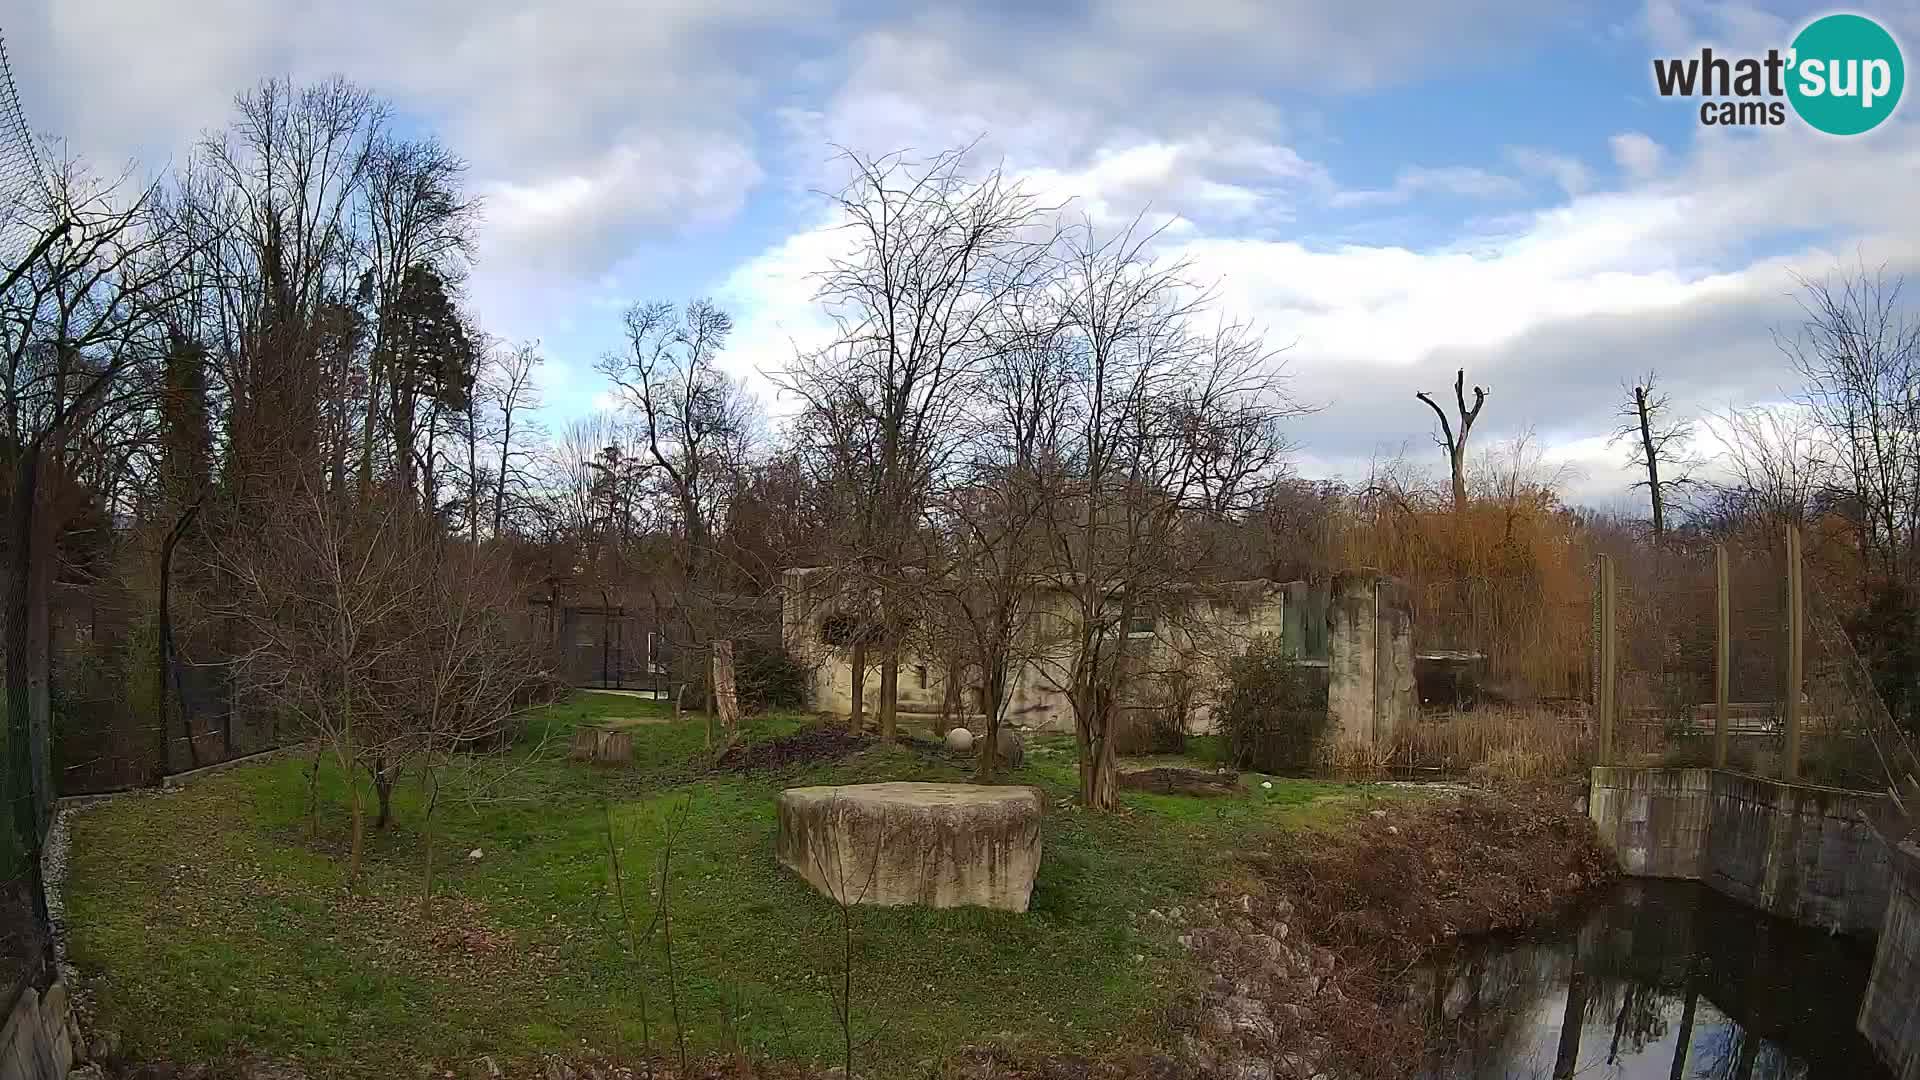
(1370, 688)
(1799, 851)
(1212, 624)
(1655, 820)
(38, 1040)
(1796, 850)
(1890, 1009)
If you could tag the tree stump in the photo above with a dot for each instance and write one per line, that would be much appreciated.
(586, 741)
(726, 702)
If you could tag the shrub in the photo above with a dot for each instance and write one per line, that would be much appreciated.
(1158, 723)
(768, 677)
(1274, 711)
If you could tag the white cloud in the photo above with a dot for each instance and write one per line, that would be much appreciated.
(1461, 180)
(1636, 154)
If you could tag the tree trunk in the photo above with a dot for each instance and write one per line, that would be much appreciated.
(359, 829)
(993, 693)
(949, 700)
(857, 680)
(1457, 465)
(1653, 463)
(432, 781)
(1098, 790)
(163, 669)
(383, 778)
(889, 694)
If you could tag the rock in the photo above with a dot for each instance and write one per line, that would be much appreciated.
(104, 1047)
(960, 740)
(475, 854)
(1173, 780)
(486, 1068)
(939, 845)
(1012, 752)
(89, 1071)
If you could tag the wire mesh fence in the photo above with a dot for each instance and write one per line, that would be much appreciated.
(26, 937)
(1798, 700)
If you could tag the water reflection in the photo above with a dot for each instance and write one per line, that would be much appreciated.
(1663, 980)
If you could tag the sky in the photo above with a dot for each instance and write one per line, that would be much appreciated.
(1390, 189)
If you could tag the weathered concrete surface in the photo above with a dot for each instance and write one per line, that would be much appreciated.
(1370, 689)
(1655, 820)
(1890, 1009)
(37, 1042)
(938, 845)
(1799, 851)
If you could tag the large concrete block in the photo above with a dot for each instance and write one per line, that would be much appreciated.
(939, 845)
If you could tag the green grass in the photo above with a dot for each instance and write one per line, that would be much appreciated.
(211, 924)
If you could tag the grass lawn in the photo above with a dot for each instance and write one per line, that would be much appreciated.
(206, 922)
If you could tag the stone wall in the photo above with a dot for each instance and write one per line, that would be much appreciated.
(1802, 852)
(1888, 1017)
(1370, 692)
(38, 1040)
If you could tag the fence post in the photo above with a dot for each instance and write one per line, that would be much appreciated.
(1722, 655)
(1796, 624)
(1609, 661)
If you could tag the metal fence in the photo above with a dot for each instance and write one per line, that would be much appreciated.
(1736, 653)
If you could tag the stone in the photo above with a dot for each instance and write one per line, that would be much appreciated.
(1175, 780)
(937, 845)
(960, 740)
(475, 855)
(1012, 748)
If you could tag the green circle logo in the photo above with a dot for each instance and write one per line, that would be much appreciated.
(1846, 74)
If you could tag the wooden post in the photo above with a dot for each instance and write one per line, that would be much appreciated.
(1722, 655)
(1796, 624)
(1609, 661)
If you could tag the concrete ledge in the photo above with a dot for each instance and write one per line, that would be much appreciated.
(1801, 851)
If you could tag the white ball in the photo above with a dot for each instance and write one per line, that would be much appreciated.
(960, 739)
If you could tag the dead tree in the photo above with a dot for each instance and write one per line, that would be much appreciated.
(1456, 445)
(1658, 446)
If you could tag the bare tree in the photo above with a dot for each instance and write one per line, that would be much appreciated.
(509, 387)
(1858, 350)
(1165, 426)
(694, 422)
(1659, 446)
(938, 254)
(1777, 460)
(1455, 444)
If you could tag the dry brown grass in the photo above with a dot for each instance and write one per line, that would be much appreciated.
(1498, 743)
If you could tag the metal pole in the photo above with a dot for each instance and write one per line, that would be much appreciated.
(1609, 661)
(1722, 655)
(1796, 624)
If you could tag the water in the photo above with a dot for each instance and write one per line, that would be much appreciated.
(1663, 980)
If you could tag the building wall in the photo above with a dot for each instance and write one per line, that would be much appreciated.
(1195, 643)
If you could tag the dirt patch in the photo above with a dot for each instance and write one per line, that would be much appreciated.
(1310, 962)
(809, 745)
